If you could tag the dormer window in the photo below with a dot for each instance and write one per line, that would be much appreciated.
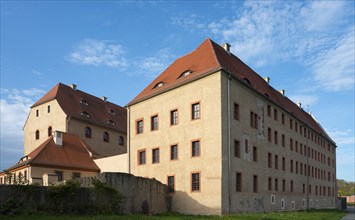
(85, 114)
(112, 112)
(186, 73)
(246, 80)
(84, 102)
(111, 122)
(159, 84)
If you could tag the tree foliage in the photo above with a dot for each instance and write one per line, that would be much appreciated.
(345, 188)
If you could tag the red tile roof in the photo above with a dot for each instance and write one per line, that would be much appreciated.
(209, 57)
(73, 154)
(72, 101)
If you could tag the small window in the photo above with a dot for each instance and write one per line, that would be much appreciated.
(154, 123)
(269, 134)
(139, 127)
(195, 111)
(291, 186)
(273, 199)
(85, 114)
(283, 164)
(59, 175)
(76, 175)
(48, 109)
(236, 111)
(255, 154)
(195, 148)
(195, 182)
(276, 162)
(37, 134)
(275, 138)
(173, 152)
(110, 122)
(269, 184)
(238, 182)
(174, 117)
(155, 155)
(237, 149)
(37, 113)
(49, 131)
(171, 184)
(282, 118)
(269, 160)
(84, 102)
(255, 183)
(88, 132)
(141, 157)
(283, 185)
(106, 137)
(275, 114)
(121, 140)
(269, 110)
(276, 184)
(159, 84)
(112, 112)
(186, 73)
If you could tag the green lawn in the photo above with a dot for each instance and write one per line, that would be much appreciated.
(302, 215)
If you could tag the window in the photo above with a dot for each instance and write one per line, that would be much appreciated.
(283, 164)
(195, 111)
(253, 120)
(283, 185)
(84, 102)
(275, 114)
(106, 137)
(121, 140)
(59, 175)
(139, 126)
(195, 148)
(291, 166)
(88, 132)
(275, 137)
(238, 182)
(186, 73)
(255, 183)
(255, 154)
(296, 127)
(49, 131)
(246, 146)
(174, 152)
(141, 157)
(269, 110)
(291, 185)
(25, 175)
(48, 109)
(303, 188)
(85, 114)
(37, 113)
(155, 155)
(37, 134)
(236, 111)
(276, 162)
(283, 119)
(269, 160)
(112, 112)
(283, 140)
(76, 175)
(154, 123)
(310, 189)
(291, 144)
(269, 134)
(110, 122)
(270, 184)
(195, 182)
(276, 184)
(296, 167)
(174, 117)
(171, 184)
(291, 124)
(236, 149)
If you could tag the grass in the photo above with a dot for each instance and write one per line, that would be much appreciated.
(329, 214)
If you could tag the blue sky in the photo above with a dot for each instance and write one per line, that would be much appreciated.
(116, 48)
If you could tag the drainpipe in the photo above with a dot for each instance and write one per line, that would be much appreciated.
(229, 145)
(129, 139)
(68, 119)
(307, 180)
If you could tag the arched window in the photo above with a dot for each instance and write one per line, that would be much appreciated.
(37, 134)
(49, 131)
(121, 141)
(159, 84)
(88, 132)
(106, 137)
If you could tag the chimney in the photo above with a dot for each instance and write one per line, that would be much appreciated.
(73, 86)
(282, 91)
(299, 104)
(58, 138)
(226, 46)
(104, 98)
(267, 79)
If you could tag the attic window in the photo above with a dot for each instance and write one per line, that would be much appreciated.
(84, 102)
(85, 114)
(267, 95)
(159, 84)
(111, 122)
(186, 73)
(112, 112)
(246, 80)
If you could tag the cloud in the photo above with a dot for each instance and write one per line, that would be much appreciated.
(306, 100)
(98, 53)
(342, 137)
(189, 22)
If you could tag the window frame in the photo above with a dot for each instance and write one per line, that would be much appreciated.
(139, 126)
(174, 119)
(171, 152)
(238, 182)
(106, 137)
(154, 122)
(155, 158)
(193, 151)
(193, 184)
(88, 134)
(236, 149)
(196, 113)
(169, 188)
(141, 157)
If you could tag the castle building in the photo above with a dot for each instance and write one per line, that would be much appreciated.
(225, 141)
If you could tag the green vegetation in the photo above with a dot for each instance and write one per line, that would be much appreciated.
(346, 188)
(329, 214)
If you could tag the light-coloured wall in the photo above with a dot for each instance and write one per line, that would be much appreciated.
(56, 119)
(118, 163)
(207, 129)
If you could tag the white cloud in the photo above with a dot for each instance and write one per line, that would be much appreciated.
(38, 73)
(305, 100)
(189, 22)
(97, 53)
(342, 137)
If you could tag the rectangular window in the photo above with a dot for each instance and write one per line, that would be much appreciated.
(269, 134)
(48, 109)
(269, 160)
(310, 189)
(255, 154)
(171, 184)
(154, 123)
(303, 188)
(76, 175)
(139, 126)
(283, 185)
(283, 164)
(195, 108)
(269, 110)
(291, 166)
(59, 174)
(270, 184)
(253, 120)
(276, 184)
(296, 167)
(246, 146)
(291, 124)
(174, 117)
(255, 183)
(155, 155)
(195, 182)
(195, 148)
(283, 140)
(236, 111)
(275, 137)
(237, 149)
(238, 182)
(291, 185)
(276, 162)
(296, 127)
(275, 114)
(282, 118)
(291, 144)
(174, 152)
(141, 157)
(296, 146)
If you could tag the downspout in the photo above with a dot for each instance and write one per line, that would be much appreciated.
(307, 180)
(68, 119)
(129, 139)
(229, 145)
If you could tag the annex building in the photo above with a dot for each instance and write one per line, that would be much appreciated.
(225, 141)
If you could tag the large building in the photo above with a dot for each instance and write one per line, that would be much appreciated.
(225, 141)
(102, 124)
